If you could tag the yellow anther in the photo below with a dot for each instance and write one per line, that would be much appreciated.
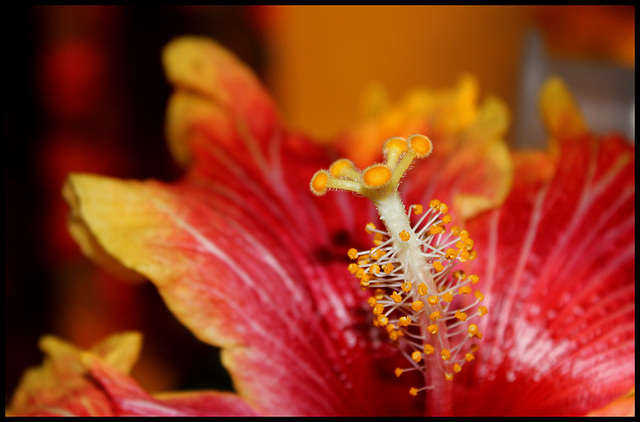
(446, 355)
(374, 269)
(473, 254)
(455, 230)
(319, 183)
(422, 289)
(448, 377)
(413, 391)
(464, 256)
(417, 209)
(404, 321)
(479, 335)
(447, 219)
(461, 316)
(353, 253)
(377, 241)
(390, 328)
(461, 245)
(416, 356)
(469, 242)
(364, 282)
(469, 357)
(417, 305)
(433, 300)
(378, 309)
(393, 335)
(474, 279)
(459, 275)
(433, 329)
(382, 320)
(359, 273)
(397, 298)
(482, 310)
(406, 286)
(370, 227)
(365, 278)
(447, 297)
(353, 268)
(428, 349)
(451, 253)
(479, 295)
(372, 301)
(435, 229)
(399, 371)
(457, 368)
(438, 266)
(420, 145)
(404, 235)
(378, 294)
(388, 268)
(463, 234)
(362, 260)
(435, 315)
(473, 329)
(434, 203)
(464, 290)
(379, 254)
(444, 208)
(376, 175)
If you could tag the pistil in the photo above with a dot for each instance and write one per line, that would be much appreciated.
(411, 270)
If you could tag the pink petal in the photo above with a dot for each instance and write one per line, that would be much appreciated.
(557, 266)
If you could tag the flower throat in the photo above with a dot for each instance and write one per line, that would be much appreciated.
(427, 307)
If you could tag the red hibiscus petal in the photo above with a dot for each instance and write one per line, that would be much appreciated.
(250, 286)
(73, 382)
(128, 399)
(242, 254)
(559, 278)
(60, 387)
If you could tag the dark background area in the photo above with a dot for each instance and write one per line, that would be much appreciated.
(86, 92)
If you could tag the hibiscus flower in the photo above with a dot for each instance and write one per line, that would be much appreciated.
(252, 262)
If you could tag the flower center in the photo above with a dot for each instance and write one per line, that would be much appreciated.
(425, 305)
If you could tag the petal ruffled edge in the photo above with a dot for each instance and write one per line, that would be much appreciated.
(208, 75)
(128, 399)
(59, 385)
(88, 243)
(75, 382)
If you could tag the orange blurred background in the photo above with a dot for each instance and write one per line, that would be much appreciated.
(87, 93)
(322, 59)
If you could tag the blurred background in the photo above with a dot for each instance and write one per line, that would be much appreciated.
(87, 94)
